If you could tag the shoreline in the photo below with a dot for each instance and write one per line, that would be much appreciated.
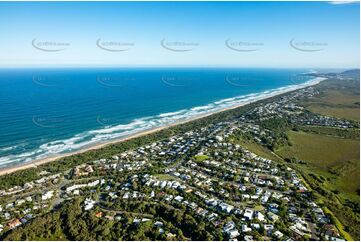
(274, 93)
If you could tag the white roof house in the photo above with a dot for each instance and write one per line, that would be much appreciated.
(278, 234)
(245, 228)
(47, 195)
(260, 216)
(248, 214)
(233, 233)
(89, 204)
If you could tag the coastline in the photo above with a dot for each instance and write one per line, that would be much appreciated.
(270, 94)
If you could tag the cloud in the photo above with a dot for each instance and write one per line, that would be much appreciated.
(342, 2)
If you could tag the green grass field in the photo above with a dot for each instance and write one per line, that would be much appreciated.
(333, 158)
(339, 97)
(338, 112)
(165, 177)
(201, 158)
(256, 148)
(330, 131)
(342, 103)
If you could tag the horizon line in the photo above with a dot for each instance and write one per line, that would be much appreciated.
(166, 66)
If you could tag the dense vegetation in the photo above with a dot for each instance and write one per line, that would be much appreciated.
(70, 222)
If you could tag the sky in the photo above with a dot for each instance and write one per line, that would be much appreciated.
(185, 34)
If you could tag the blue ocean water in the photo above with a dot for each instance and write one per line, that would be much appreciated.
(45, 112)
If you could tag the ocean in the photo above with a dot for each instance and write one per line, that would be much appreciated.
(46, 112)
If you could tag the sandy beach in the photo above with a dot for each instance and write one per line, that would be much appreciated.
(35, 163)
